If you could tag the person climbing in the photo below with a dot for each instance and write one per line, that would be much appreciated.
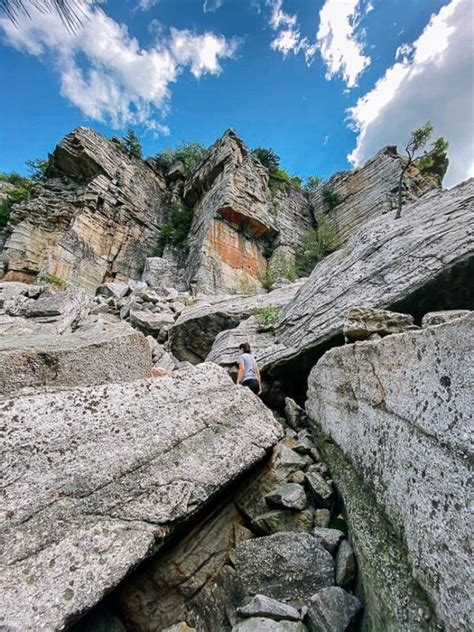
(248, 374)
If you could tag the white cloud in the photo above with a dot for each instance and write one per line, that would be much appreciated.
(339, 41)
(288, 38)
(210, 6)
(146, 5)
(432, 82)
(104, 71)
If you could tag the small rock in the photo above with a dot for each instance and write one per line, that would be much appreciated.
(438, 318)
(321, 491)
(179, 627)
(117, 289)
(332, 610)
(262, 606)
(322, 518)
(283, 520)
(291, 461)
(329, 538)
(297, 477)
(171, 294)
(288, 496)
(295, 415)
(260, 624)
(345, 564)
(137, 286)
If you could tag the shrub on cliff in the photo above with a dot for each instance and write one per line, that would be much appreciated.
(175, 230)
(188, 154)
(268, 158)
(131, 144)
(315, 245)
(312, 183)
(331, 198)
(15, 196)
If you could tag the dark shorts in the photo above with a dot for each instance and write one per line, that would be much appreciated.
(253, 385)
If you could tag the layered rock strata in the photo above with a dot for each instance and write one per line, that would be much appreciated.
(370, 191)
(96, 216)
(395, 415)
(86, 501)
(423, 260)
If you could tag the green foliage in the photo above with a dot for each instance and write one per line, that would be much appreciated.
(419, 137)
(268, 316)
(15, 196)
(131, 144)
(280, 176)
(268, 158)
(331, 198)
(52, 279)
(315, 245)
(14, 178)
(37, 167)
(246, 286)
(312, 182)
(282, 267)
(188, 154)
(428, 160)
(175, 230)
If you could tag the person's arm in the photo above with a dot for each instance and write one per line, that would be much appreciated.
(259, 377)
(240, 373)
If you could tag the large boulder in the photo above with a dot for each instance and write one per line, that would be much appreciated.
(396, 414)
(414, 264)
(31, 363)
(96, 479)
(193, 334)
(289, 567)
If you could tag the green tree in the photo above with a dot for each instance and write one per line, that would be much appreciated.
(418, 140)
(131, 144)
(315, 245)
(15, 196)
(312, 183)
(331, 198)
(188, 154)
(268, 158)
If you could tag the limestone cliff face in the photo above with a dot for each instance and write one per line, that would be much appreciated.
(237, 217)
(370, 191)
(95, 217)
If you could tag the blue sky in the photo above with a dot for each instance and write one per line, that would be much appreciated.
(323, 82)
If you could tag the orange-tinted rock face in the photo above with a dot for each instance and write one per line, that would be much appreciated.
(236, 250)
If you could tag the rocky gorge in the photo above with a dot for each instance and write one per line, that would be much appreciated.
(143, 490)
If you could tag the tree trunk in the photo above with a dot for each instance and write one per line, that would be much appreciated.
(400, 185)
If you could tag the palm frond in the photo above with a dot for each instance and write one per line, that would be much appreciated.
(71, 12)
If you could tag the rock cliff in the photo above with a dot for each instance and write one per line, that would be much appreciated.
(144, 491)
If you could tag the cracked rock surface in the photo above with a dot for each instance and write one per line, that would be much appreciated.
(97, 478)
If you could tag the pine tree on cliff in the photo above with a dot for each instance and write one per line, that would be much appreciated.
(131, 144)
(418, 139)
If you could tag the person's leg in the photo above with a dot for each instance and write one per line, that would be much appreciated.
(253, 385)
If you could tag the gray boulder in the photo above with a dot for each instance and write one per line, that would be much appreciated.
(379, 267)
(345, 565)
(192, 336)
(283, 520)
(362, 323)
(99, 477)
(295, 415)
(261, 624)
(262, 606)
(289, 567)
(150, 322)
(397, 414)
(439, 318)
(330, 539)
(332, 610)
(52, 362)
(319, 488)
(116, 289)
(288, 496)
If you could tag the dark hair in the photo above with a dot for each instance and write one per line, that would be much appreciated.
(245, 347)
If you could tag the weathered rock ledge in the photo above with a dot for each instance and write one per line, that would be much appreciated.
(396, 419)
(97, 478)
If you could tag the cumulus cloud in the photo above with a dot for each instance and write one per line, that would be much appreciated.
(288, 38)
(104, 71)
(340, 40)
(210, 6)
(431, 81)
